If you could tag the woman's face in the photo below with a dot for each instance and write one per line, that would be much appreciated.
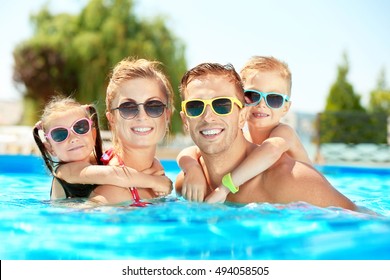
(142, 130)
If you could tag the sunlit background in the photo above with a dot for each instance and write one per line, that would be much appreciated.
(315, 38)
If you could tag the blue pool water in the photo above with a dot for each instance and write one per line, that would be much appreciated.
(32, 227)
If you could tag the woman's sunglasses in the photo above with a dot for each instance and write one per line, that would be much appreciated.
(61, 133)
(130, 109)
(221, 106)
(272, 99)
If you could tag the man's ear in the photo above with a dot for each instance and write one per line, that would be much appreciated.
(49, 148)
(184, 120)
(243, 117)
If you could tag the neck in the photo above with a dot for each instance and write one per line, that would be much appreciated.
(217, 165)
(138, 158)
(258, 135)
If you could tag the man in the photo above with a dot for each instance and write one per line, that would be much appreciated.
(213, 113)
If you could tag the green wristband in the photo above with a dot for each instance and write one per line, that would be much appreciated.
(228, 183)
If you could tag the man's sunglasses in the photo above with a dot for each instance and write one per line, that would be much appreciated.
(221, 106)
(272, 99)
(61, 133)
(130, 109)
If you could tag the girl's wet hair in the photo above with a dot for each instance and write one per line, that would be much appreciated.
(62, 104)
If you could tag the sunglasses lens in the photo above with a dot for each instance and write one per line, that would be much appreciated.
(154, 108)
(275, 101)
(81, 127)
(194, 108)
(59, 134)
(252, 97)
(222, 106)
(128, 110)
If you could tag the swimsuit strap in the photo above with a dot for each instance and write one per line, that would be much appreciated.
(106, 157)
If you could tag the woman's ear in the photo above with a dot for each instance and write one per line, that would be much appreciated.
(110, 118)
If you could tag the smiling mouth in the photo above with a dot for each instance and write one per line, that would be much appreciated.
(75, 148)
(211, 132)
(260, 115)
(141, 130)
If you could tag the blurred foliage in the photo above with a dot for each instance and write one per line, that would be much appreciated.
(352, 127)
(342, 95)
(74, 54)
(345, 120)
(380, 97)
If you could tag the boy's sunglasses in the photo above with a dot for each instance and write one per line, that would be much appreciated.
(221, 106)
(61, 133)
(130, 109)
(272, 99)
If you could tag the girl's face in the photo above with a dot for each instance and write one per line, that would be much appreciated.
(141, 130)
(77, 147)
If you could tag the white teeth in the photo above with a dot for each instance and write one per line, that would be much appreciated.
(142, 129)
(211, 131)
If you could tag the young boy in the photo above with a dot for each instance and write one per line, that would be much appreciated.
(267, 84)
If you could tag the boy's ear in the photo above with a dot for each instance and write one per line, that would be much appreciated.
(184, 120)
(286, 107)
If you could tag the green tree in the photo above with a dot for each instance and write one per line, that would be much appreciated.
(342, 95)
(344, 119)
(73, 54)
(380, 97)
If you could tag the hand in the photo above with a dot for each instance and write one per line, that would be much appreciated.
(163, 186)
(218, 195)
(194, 185)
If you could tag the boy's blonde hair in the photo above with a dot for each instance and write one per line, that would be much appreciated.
(266, 63)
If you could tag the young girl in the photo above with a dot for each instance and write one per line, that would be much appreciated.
(68, 137)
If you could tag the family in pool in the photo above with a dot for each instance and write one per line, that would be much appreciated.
(269, 164)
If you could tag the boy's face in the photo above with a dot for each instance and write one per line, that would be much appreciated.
(261, 115)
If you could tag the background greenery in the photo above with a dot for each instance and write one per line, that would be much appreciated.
(345, 120)
(74, 54)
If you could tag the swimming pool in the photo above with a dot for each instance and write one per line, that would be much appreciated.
(33, 228)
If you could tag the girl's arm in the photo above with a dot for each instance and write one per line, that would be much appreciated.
(193, 184)
(125, 177)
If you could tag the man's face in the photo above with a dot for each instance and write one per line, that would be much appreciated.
(213, 133)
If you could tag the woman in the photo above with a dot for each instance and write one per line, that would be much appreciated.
(139, 102)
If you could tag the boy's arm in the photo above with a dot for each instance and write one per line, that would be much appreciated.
(193, 184)
(259, 160)
(296, 150)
